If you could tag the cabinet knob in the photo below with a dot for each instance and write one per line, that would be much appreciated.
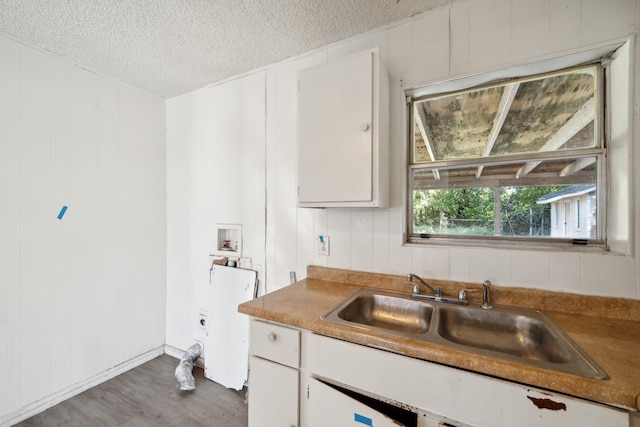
(364, 127)
(272, 337)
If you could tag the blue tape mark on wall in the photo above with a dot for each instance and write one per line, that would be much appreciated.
(62, 212)
(362, 419)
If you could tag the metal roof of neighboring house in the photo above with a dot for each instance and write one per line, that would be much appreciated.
(570, 191)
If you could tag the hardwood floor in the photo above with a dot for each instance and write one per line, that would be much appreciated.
(148, 396)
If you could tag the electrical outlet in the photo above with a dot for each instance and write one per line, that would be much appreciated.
(203, 319)
(322, 243)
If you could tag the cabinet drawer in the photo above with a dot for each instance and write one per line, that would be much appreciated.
(275, 342)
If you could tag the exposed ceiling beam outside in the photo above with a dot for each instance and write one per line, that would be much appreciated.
(583, 117)
(508, 95)
(576, 166)
(421, 122)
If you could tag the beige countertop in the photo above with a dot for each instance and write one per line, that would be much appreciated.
(607, 329)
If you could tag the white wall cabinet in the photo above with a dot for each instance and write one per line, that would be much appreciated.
(273, 375)
(343, 133)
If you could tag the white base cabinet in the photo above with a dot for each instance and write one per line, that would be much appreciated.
(273, 394)
(330, 407)
(456, 397)
(298, 378)
(274, 377)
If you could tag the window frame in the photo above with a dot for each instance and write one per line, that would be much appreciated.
(569, 60)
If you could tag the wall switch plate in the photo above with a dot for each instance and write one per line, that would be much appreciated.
(322, 245)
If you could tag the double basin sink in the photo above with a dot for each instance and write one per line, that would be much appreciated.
(516, 334)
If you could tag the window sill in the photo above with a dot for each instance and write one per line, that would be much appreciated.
(509, 244)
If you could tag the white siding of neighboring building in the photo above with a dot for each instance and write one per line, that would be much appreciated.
(573, 217)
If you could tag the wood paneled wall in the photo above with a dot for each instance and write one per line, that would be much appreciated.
(215, 175)
(84, 293)
(462, 38)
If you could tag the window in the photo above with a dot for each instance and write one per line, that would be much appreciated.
(494, 161)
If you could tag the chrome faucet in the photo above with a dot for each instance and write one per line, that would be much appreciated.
(486, 304)
(437, 291)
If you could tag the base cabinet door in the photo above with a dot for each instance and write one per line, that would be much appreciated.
(273, 394)
(449, 393)
(327, 406)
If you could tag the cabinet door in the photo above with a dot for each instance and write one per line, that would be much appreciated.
(335, 131)
(450, 393)
(273, 394)
(327, 406)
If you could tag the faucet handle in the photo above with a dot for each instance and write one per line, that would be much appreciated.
(486, 304)
(409, 281)
(462, 295)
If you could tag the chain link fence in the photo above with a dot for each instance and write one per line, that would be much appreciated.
(517, 225)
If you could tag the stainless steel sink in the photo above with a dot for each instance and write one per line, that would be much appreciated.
(387, 311)
(528, 335)
(517, 334)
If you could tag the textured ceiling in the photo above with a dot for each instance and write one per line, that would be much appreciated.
(170, 47)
